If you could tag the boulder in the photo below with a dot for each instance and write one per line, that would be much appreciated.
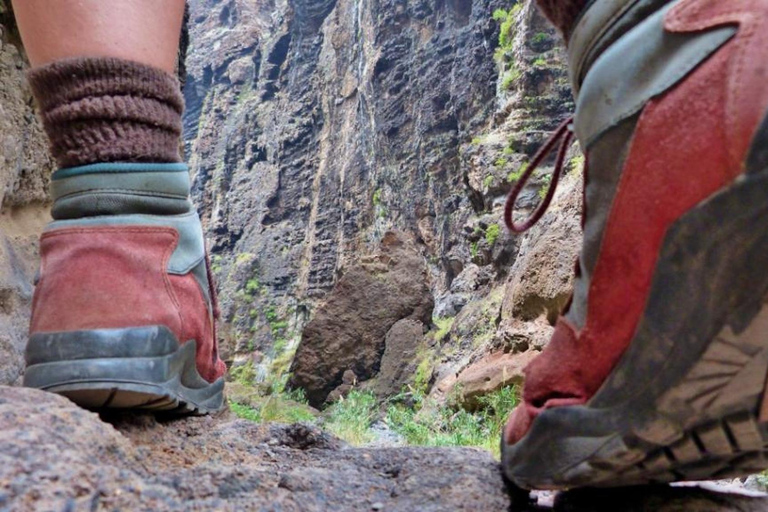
(489, 374)
(348, 383)
(348, 331)
(541, 279)
(399, 362)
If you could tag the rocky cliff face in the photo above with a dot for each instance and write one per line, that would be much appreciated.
(314, 127)
(24, 170)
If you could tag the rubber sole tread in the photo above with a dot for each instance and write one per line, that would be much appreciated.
(129, 368)
(116, 398)
(732, 446)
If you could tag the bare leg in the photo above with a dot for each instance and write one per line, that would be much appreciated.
(145, 31)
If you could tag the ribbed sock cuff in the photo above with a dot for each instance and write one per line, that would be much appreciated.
(100, 109)
(562, 13)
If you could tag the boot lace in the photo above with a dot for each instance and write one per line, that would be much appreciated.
(563, 134)
(212, 288)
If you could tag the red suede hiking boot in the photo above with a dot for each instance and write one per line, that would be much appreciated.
(657, 372)
(123, 311)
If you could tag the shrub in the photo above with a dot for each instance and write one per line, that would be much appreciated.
(539, 38)
(443, 327)
(245, 374)
(517, 174)
(511, 76)
(426, 425)
(492, 234)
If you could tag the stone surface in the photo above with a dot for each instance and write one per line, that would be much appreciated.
(399, 361)
(348, 383)
(490, 374)
(348, 331)
(541, 279)
(55, 456)
(25, 167)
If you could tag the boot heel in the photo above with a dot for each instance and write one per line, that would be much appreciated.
(142, 367)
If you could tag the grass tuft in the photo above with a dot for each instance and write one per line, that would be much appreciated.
(350, 417)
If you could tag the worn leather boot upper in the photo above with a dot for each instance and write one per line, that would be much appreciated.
(670, 96)
(126, 250)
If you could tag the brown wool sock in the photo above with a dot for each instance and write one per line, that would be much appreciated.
(98, 109)
(562, 13)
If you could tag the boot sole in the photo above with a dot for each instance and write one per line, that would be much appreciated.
(685, 400)
(132, 368)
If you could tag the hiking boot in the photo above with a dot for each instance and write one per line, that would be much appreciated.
(123, 312)
(657, 370)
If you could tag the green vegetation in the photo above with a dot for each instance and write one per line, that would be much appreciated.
(546, 180)
(539, 38)
(278, 370)
(443, 327)
(350, 418)
(577, 163)
(423, 375)
(515, 175)
(474, 250)
(511, 76)
(252, 286)
(282, 407)
(377, 204)
(501, 162)
(506, 41)
(488, 181)
(245, 412)
(492, 234)
(245, 374)
(762, 479)
(216, 264)
(417, 418)
(507, 29)
(244, 257)
(439, 427)
(540, 62)
(277, 324)
(423, 423)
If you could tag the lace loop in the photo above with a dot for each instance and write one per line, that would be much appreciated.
(564, 133)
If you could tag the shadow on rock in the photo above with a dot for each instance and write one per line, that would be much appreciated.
(661, 498)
